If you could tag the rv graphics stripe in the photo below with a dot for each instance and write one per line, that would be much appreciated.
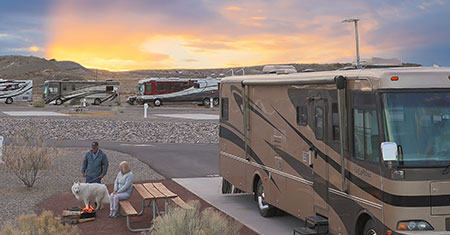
(21, 91)
(229, 135)
(394, 200)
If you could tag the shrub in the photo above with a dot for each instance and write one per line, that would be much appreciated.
(38, 103)
(118, 109)
(27, 156)
(192, 221)
(45, 224)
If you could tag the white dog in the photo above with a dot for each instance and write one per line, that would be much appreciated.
(85, 192)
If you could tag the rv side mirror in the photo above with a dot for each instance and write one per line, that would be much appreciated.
(389, 151)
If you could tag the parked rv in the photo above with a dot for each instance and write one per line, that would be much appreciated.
(160, 90)
(352, 151)
(74, 92)
(16, 91)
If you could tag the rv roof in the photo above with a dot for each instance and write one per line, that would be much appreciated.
(174, 79)
(409, 77)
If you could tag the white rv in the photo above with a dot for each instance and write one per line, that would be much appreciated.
(16, 90)
(74, 92)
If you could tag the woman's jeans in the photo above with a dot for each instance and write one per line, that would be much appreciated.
(114, 200)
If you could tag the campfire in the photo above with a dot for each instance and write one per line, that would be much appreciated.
(78, 215)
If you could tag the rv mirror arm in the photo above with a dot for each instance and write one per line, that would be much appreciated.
(340, 86)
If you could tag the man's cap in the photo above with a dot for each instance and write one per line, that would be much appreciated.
(94, 144)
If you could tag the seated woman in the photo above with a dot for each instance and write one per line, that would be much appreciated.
(123, 186)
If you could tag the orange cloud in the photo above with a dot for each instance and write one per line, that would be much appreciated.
(34, 49)
(233, 8)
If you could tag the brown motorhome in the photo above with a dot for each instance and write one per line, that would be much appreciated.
(285, 137)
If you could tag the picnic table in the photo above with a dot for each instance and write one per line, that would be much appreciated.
(150, 193)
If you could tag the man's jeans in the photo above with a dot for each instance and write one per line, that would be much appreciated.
(93, 180)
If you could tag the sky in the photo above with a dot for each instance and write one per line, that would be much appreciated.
(160, 34)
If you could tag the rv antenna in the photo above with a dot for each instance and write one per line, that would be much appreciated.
(358, 64)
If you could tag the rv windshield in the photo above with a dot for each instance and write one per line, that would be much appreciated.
(140, 89)
(419, 122)
(45, 88)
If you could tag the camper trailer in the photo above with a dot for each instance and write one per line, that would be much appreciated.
(74, 92)
(16, 91)
(352, 152)
(160, 90)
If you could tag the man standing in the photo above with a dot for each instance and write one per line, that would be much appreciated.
(95, 164)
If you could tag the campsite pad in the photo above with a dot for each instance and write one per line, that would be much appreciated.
(104, 225)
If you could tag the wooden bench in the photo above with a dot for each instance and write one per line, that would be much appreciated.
(127, 208)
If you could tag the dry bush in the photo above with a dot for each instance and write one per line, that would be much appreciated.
(38, 103)
(192, 221)
(27, 156)
(46, 224)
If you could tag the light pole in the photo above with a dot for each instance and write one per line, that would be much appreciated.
(358, 64)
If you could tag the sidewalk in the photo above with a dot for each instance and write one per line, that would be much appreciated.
(241, 207)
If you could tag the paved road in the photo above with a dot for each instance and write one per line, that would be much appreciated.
(170, 160)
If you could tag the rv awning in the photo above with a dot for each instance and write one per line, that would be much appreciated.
(276, 82)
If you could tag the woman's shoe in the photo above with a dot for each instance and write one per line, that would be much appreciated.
(115, 215)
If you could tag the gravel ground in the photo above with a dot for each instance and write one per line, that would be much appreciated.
(17, 199)
(194, 132)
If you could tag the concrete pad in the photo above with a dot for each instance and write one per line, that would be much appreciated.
(34, 113)
(191, 116)
(241, 207)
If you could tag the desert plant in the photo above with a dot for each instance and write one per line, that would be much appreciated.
(38, 103)
(36, 225)
(27, 156)
(192, 221)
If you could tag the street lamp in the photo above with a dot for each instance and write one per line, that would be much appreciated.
(358, 64)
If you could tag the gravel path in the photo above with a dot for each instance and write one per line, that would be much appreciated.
(117, 130)
(17, 199)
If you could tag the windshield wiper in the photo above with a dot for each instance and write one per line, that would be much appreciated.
(447, 170)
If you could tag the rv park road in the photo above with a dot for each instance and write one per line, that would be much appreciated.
(169, 160)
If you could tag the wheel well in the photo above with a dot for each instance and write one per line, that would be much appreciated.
(361, 222)
(256, 178)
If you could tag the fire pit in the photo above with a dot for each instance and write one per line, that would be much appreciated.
(78, 215)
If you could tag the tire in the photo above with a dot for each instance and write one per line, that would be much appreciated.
(216, 101)
(370, 228)
(97, 101)
(58, 101)
(206, 102)
(157, 102)
(265, 209)
(9, 100)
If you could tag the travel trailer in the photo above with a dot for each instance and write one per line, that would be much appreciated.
(74, 92)
(16, 91)
(160, 90)
(351, 151)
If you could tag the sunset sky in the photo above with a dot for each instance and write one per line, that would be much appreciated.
(152, 34)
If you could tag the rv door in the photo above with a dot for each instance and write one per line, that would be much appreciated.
(320, 164)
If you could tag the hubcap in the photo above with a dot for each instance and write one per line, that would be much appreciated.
(371, 232)
(261, 203)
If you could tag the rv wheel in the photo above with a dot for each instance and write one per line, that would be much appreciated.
(58, 101)
(216, 101)
(206, 102)
(265, 209)
(97, 101)
(157, 102)
(9, 100)
(369, 228)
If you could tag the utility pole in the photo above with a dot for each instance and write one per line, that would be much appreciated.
(358, 64)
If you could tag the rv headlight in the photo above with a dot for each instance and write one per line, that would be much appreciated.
(414, 225)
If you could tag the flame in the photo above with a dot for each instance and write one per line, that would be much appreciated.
(89, 209)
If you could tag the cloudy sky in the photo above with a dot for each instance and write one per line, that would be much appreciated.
(137, 34)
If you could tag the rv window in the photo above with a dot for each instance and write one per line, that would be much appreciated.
(224, 109)
(335, 121)
(64, 87)
(318, 123)
(196, 85)
(160, 86)
(365, 134)
(168, 86)
(302, 115)
(148, 88)
(177, 85)
(109, 88)
(73, 87)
